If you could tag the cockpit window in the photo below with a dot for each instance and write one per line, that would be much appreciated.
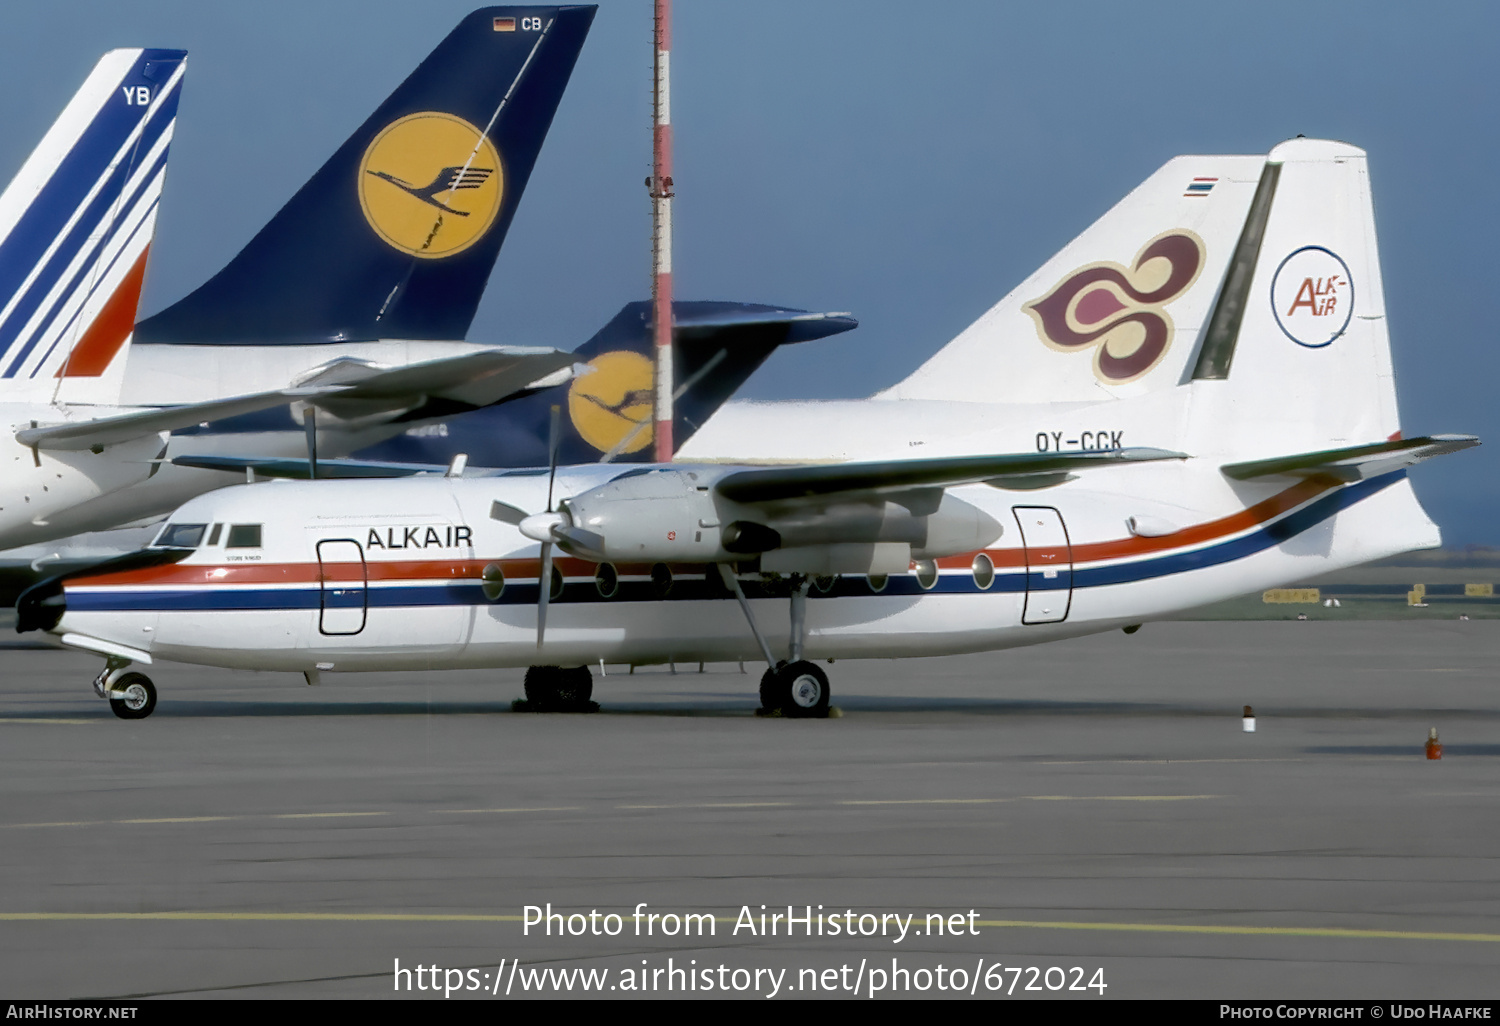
(243, 536)
(213, 536)
(180, 536)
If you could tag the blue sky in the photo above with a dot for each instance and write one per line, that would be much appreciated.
(907, 162)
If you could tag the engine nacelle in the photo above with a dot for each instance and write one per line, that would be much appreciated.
(657, 516)
(661, 516)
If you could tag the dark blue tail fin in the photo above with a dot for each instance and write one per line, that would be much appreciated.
(607, 409)
(396, 235)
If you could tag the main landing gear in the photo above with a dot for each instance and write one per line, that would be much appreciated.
(131, 696)
(799, 690)
(559, 688)
(794, 687)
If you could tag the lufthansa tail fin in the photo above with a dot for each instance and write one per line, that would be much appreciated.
(608, 407)
(396, 234)
(76, 225)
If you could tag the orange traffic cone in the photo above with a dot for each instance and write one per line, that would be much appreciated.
(1434, 746)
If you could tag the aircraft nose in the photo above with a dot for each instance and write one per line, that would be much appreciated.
(41, 606)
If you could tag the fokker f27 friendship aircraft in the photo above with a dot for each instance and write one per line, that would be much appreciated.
(1195, 400)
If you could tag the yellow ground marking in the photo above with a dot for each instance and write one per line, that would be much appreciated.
(1120, 797)
(41, 719)
(632, 808)
(471, 812)
(925, 801)
(174, 819)
(714, 805)
(1001, 924)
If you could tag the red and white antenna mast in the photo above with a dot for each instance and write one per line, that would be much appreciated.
(661, 231)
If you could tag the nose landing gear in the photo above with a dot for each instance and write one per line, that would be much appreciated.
(131, 696)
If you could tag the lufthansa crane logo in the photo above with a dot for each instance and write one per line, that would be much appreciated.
(612, 405)
(1117, 311)
(431, 184)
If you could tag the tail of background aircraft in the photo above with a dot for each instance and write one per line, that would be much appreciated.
(396, 234)
(1251, 284)
(607, 409)
(75, 228)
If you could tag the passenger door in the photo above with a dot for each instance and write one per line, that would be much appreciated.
(1049, 564)
(342, 580)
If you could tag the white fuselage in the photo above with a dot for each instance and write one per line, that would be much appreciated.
(361, 575)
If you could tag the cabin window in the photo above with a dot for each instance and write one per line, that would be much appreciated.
(213, 535)
(180, 536)
(243, 536)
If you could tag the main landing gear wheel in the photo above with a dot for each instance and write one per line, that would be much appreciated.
(559, 689)
(799, 690)
(132, 696)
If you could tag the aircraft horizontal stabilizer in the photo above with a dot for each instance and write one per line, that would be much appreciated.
(473, 379)
(296, 468)
(779, 484)
(694, 322)
(96, 434)
(1357, 463)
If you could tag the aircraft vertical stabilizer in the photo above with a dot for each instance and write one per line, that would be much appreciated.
(75, 228)
(1119, 312)
(1298, 356)
(395, 236)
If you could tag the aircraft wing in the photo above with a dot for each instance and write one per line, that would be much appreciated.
(782, 484)
(473, 379)
(97, 433)
(296, 468)
(1356, 463)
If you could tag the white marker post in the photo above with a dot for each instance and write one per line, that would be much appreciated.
(1249, 725)
(661, 232)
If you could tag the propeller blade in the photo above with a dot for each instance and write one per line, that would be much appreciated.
(506, 513)
(544, 583)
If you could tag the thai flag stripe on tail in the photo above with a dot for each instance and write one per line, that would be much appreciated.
(78, 218)
(1200, 186)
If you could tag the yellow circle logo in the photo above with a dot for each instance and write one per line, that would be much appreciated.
(613, 405)
(431, 184)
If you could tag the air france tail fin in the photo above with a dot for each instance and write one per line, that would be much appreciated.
(396, 234)
(76, 225)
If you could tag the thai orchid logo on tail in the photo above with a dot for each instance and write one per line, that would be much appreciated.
(1118, 311)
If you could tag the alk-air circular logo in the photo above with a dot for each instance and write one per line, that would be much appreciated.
(1313, 296)
(431, 184)
(612, 405)
(1119, 312)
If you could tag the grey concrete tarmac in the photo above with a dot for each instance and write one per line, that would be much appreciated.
(259, 838)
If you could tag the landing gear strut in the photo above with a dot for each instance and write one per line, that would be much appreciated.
(559, 689)
(795, 687)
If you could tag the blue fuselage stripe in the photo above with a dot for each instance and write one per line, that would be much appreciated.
(688, 589)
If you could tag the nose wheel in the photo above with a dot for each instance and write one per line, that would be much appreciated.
(132, 696)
